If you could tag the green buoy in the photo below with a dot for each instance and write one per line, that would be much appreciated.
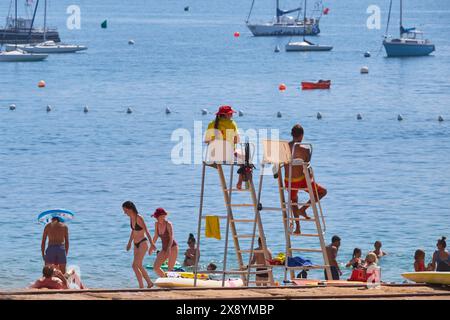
(105, 24)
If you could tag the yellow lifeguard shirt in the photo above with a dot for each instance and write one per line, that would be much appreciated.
(226, 130)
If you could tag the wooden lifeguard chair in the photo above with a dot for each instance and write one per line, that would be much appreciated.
(220, 154)
(279, 154)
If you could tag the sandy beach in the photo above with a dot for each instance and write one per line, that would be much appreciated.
(390, 292)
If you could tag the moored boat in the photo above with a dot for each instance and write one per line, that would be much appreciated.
(321, 84)
(21, 56)
(411, 42)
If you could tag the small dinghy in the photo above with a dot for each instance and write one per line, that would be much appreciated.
(21, 56)
(430, 277)
(306, 46)
(321, 84)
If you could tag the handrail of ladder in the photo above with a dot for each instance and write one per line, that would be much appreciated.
(309, 167)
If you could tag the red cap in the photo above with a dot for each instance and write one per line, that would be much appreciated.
(159, 212)
(225, 110)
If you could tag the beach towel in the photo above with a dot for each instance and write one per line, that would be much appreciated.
(298, 262)
(212, 229)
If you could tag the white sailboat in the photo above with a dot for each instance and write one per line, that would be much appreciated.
(48, 46)
(306, 45)
(284, 25)
(18, 55)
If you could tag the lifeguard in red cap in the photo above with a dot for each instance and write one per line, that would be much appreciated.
(224, 128)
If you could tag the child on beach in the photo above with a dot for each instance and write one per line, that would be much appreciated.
(419, 261)
(223, 127)
(211, 267)
(298, 180)
(371, 267)
(259, 258)
(356, 262)
(189, 255)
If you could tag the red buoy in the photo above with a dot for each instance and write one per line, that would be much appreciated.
(282, 87)
(237, 34)
(41, 84)
(326, 10)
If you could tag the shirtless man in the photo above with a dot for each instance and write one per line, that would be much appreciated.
(258, 258)
(52, 279)
(58, 244)
(332, 251)
(298, 178)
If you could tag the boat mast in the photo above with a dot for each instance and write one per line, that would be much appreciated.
(15, 22)
(401, 18)
(278, 10)
(304, 20)
(45, 21)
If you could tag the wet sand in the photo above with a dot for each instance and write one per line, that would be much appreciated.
(391, 292)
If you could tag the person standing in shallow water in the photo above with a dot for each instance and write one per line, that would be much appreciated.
(332, 251)
(441, 257)
(138, 237)
(58, 244)
(169, 250)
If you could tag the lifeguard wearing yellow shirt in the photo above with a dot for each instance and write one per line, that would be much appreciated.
(223, 127)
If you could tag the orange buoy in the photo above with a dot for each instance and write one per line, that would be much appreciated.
(41, 84)
(282, 87)
(237, 34)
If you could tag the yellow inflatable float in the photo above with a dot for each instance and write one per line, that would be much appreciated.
(430, 277)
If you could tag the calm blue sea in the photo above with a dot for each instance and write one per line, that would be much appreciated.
(387, 180)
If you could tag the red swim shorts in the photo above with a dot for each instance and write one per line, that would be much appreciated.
(302, 185)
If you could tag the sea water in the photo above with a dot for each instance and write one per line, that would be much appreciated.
(387, 180)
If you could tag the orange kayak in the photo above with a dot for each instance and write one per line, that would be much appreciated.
(321, 84)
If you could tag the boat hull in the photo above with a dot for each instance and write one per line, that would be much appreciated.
(407, 50)
(44, 49)
(23, 36)
(294, 47)
(267, 30)
(428, 277)
(22, 58)
(316, 85)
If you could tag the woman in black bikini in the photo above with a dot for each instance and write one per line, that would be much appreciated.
(138, 235)
(164, 230)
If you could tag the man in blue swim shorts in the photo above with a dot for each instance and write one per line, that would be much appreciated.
(58, 244)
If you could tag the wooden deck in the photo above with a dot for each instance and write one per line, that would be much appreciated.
(400, 291)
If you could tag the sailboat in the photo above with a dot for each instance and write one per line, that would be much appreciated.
(306, 45)
(17, 29)
(284, 25)
(48, 46)
(18, 55)
(411, 42)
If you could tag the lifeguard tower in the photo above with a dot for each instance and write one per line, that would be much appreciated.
(221, 154)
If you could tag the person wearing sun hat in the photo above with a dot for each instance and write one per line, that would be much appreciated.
(169, 250)
(223, 127)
